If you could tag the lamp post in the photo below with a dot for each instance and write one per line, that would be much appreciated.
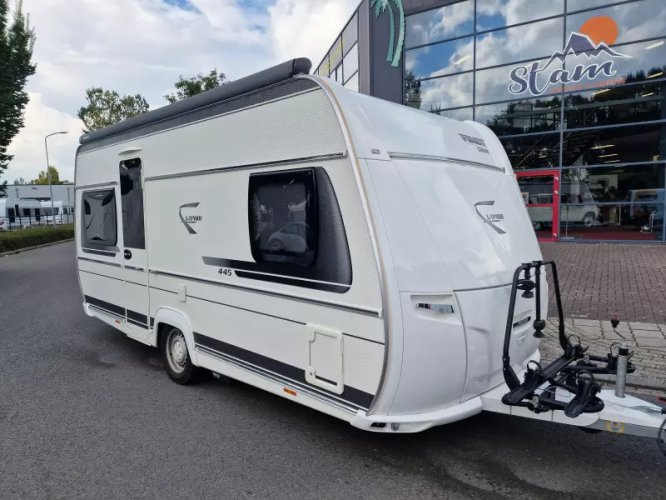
(48, 171)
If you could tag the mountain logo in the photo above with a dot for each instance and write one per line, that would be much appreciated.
(593, 40)
(395, 48)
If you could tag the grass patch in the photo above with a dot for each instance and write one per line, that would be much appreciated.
(34, 236)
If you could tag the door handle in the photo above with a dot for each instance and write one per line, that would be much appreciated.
(128, 254)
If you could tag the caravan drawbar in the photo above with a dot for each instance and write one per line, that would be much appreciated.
(365, 259)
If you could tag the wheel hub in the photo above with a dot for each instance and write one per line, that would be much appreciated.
(179, 352)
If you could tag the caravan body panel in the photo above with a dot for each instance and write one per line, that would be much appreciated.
(316, 243)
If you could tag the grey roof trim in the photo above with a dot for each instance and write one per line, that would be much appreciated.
(259, 80)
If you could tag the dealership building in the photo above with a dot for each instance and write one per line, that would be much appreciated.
(573, 88)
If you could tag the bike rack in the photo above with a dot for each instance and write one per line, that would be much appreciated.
(572, 373)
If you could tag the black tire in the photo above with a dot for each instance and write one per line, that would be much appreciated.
(589, 219)
(176, 357)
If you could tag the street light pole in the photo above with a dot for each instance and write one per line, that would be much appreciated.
(48, 171)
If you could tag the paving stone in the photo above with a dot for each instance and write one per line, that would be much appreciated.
(602, 282)
(644, 326)
(587, 322)
(650, 342)
(612, 336)
(639, 334)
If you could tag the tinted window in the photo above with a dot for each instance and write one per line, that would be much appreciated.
(519, 43)
(493, 14)
(440, 24)
(493, 84)
(11, 214)
(615, 145)
(131, 192)
(26, 212)
(441, 58)
(350, 63)
(623, 104)
(533, 151)
(636, 183)
(440, 93)
(635, 20)
(642, 62)
(283, 217)
(99, 218)
(350, 34)
(527, 115)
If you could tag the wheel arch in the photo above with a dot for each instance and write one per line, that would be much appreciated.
(167, 316)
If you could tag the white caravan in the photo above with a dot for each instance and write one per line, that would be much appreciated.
(63, 212)
(19, 214)
(350, 254)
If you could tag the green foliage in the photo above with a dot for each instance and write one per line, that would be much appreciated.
(43, 177)
(20, 182)
(106, 107)
(196, 85)
(17, 40)
(34, 236)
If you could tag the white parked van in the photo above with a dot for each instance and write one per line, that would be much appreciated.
(350, 254)
(62, 212)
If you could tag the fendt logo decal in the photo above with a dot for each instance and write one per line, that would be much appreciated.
(593, 40)
(189, 220)
(395, 49)
(491, 219)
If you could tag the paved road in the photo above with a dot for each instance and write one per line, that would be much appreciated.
(86, 412)
(601, 281)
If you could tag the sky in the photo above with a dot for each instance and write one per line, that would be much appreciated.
(142, 46)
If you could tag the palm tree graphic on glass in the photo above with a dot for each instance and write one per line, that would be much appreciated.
(395, 49)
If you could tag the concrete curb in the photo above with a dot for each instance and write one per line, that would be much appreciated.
(27, 249)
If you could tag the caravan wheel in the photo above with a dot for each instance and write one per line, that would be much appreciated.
(177, 360)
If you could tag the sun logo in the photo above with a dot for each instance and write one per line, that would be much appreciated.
(601, 29)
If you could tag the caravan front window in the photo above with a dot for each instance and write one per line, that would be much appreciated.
(99, 218)
(283, 217)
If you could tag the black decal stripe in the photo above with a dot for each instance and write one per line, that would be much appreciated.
(99, 252)
(105, 305)
(274, 273)
(284, 280)
(136, 323)
(137, 318)
(355, 396)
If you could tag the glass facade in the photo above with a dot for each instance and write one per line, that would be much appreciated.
(575, 89)
(341, 63)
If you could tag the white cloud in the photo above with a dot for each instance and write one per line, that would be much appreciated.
(28, 146)
(142, 46)
(307, 28)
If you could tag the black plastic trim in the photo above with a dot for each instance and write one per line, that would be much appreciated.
(120, 311)
(354, 396)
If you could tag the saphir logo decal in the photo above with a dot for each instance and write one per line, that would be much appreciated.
(492, 219)
(395, 48)
(593, 40)
(189, 220)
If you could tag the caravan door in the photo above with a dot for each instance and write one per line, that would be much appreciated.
(135, 261)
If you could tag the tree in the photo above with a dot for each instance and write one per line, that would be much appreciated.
(20, 182)
(106, 107)
(43, 177)
(17, 40)
(196, 85)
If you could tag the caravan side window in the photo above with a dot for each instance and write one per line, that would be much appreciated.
(99, 219)
(11, 214)
(283, 217)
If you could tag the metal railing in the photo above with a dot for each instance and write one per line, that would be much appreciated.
(24, 222)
